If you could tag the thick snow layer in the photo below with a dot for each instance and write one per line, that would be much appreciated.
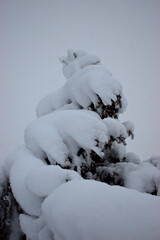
(115, 128)
(91, 81)
(130, 128)
(118, 150)
(43, 180)
(90, 210)
(51, 102)
(145, 178)
(25, 162)
(12, 157)
(45, 234)
(86, 82)
(76, 60)
(31, 226)
(155, 160)
(62, 133)
(132, 157)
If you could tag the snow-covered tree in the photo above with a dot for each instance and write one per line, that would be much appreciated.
(77, 135)
(92, 88)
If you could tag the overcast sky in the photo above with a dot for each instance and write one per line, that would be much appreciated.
(125, 34)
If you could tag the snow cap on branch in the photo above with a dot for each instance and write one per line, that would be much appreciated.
(91, 86)
(77, 60)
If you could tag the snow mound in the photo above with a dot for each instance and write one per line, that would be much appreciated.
(90, 85)
(132, 157)
(155, 161)
(76, 60)
(25, 162)
(92, 210)
(46, 234)
(115, 128)
(118, 151)
(145, 178)
(12, 158)
(31, 226)
(44, 180)
(59, 135)
(35, 228)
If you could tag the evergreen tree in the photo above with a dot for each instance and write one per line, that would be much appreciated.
(90, 86)
(77, 135)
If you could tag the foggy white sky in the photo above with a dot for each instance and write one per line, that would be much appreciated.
(124, 33)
